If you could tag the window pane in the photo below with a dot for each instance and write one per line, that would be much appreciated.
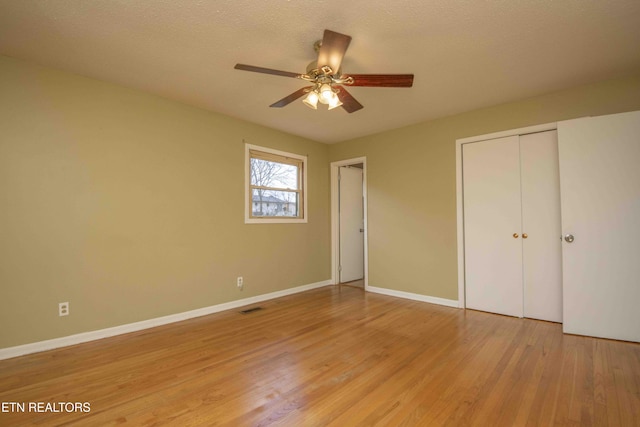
(266, 173)
(274, 203)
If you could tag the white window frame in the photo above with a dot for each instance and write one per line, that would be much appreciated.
(248, 203)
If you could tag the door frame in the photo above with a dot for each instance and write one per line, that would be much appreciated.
(460, 189)
(335, 219)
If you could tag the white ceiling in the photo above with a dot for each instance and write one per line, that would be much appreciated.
(464, 54)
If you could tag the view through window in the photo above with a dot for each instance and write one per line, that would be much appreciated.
(276, 184)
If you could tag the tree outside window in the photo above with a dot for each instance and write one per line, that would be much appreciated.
(276, 186)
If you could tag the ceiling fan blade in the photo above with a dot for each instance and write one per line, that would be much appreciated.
(334, 46)
(263, 70)
(349, 103)
(290, 98)
(381, 80)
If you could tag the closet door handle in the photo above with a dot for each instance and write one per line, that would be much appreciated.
(515, 235)
(525, 235)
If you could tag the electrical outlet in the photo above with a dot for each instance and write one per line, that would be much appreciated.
(63, 309)
(240, 282)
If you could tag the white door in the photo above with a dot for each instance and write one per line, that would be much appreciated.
(351, 224)
(492, 226)
(600, 194)
(541, 246)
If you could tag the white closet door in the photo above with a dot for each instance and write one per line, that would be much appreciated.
(600, 193)
(351, 225)
(492, 207)
(541, 249)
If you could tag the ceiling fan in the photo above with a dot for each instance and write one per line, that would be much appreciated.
(327, 79)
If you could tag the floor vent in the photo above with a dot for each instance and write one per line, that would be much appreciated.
(250, 310)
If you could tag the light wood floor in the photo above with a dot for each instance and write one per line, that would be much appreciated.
(355, 283)
(335, 356)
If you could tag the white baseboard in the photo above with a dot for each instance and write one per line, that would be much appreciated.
(412, 296)
(9, 352)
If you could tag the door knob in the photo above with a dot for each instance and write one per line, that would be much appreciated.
(569, 238)
(525, 235)
(515, 235)
(362, 230)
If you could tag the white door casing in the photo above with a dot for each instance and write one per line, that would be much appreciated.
(600, 197)
(351, 224)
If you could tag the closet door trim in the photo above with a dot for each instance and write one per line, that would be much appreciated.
(459, 192)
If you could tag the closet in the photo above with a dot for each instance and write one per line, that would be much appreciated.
(512, 226)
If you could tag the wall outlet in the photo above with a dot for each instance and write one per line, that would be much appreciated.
(63, 309)
(240, 282)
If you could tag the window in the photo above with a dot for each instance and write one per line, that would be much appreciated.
(275, 188)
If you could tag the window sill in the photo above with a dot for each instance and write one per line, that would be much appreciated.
(275, 220)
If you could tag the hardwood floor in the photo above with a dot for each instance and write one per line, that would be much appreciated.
(335, 356)
(354, 283)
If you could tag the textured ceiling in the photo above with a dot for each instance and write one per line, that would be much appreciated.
(464, 54)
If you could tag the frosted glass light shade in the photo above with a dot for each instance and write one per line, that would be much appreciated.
(311, 100)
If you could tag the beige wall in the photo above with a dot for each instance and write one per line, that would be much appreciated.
(412, 189)
(131, 207)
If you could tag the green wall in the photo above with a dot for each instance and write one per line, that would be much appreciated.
(131, 207)
(412, 181)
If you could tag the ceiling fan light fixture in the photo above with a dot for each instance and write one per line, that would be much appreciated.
(335, 102)
(311, 100)
(326, 93)
(326, 77)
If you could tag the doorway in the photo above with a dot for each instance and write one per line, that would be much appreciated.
(349, 258)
